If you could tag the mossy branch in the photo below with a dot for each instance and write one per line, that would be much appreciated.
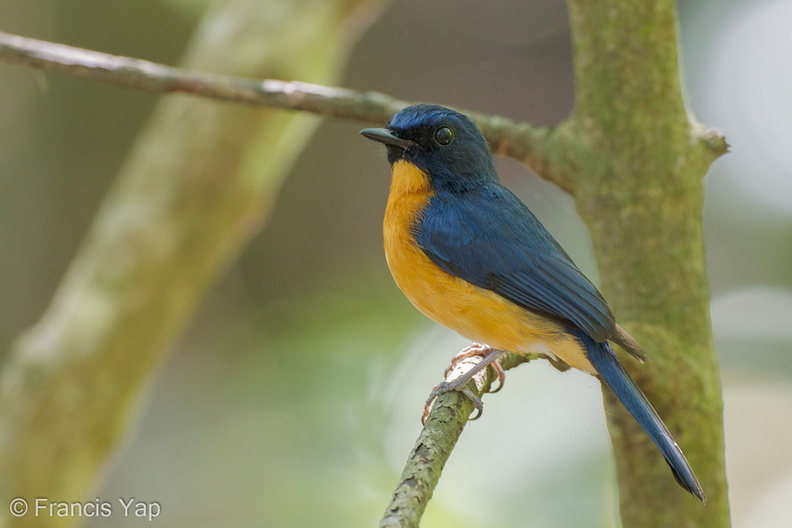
(446, 421)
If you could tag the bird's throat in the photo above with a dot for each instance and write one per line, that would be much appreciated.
(408, 179)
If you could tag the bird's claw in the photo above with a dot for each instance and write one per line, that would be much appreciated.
(477, 349)
(448, 386)
(460, 383)
(500, 376)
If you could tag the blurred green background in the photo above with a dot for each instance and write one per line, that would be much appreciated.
(294, 396)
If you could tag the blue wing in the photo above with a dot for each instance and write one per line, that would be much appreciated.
(489, 238)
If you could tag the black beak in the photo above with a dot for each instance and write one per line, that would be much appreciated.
(383, 135)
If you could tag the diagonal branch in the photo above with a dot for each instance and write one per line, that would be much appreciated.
(434, 445)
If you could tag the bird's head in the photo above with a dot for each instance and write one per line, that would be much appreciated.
(444, 144)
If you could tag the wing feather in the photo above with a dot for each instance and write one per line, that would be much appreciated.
(489, 238)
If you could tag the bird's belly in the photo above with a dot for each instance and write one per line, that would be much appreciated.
(475, 313)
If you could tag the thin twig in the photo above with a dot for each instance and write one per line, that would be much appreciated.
(508, 138)
(150, 76)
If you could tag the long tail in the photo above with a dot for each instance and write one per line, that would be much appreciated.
(605, 361)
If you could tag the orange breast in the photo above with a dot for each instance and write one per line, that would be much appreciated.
(473, 312)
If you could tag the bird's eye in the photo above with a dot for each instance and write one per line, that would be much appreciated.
(444, 135)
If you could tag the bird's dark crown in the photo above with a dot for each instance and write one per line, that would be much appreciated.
(446, 145)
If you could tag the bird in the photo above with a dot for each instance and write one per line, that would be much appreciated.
(471, 256)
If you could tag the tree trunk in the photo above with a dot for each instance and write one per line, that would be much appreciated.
(638, 162)
(198, 184)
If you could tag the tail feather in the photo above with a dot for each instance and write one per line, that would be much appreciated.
(605, 361)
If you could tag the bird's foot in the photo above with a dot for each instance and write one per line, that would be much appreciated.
(460, 378)
(484, 351)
